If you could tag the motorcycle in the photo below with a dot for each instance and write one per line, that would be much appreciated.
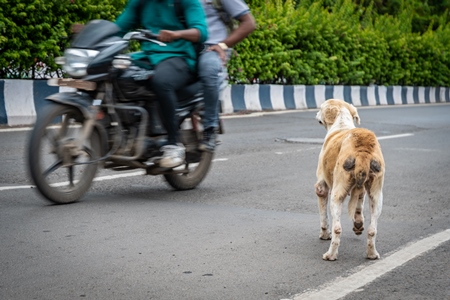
(110, 119)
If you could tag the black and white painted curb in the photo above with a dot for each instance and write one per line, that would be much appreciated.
(21, 100)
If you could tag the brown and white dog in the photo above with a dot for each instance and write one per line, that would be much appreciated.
(350, 163)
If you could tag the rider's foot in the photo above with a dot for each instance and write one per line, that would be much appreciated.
(208, 142)
(173, 156)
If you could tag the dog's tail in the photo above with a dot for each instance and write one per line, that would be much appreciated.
(361, 172)
(360, 166)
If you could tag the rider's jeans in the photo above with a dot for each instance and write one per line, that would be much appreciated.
(170, 75)
(209, 67)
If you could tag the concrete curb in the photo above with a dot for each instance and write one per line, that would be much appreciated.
(21, 100)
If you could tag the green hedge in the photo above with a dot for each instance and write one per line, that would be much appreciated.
(304, 42)
(309, 44)
(33, 33)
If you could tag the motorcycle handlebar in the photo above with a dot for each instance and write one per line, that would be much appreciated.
(149, 34)
(143, 35)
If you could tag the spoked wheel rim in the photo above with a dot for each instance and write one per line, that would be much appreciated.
(60, 164)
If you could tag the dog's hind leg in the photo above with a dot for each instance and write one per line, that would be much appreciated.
(322, 191)
(355, 208)
(376, 204)
(338, 194)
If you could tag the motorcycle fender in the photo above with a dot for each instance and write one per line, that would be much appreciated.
(80, 101)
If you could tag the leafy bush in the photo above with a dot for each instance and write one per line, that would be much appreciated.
(34, 32)
(339, 43)
(296, 42)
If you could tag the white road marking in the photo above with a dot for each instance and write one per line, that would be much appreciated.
(101, 178)
(395, 136)
(341, 287)
(298, 150)
(16, 129)
(219, 159)
(123, 175)
(420, 149)
(16, 187)
(320, 140)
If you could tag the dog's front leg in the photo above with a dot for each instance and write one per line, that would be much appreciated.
(322, 191)
(337, 200)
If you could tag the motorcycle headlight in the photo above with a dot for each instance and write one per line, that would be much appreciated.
(77, 60)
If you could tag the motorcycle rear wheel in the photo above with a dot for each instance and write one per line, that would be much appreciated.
(195, 175)
(56, 129)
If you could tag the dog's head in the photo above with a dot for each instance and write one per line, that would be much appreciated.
(334, 109)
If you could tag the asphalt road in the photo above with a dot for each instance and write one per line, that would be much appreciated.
(249, 231)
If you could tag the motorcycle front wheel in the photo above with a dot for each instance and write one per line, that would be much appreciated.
(61, 166)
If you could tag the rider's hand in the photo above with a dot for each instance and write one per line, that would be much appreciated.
(220, 51)
(76, 28)
(168, 36)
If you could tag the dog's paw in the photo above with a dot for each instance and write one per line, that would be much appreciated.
(329, 256)
(325, 235)
(358, 227)
(373, 254)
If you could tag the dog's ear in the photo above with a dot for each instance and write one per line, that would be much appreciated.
(354, 113)
(356, 117)
(329, 115)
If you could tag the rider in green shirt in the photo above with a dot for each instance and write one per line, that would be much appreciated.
(175, 63)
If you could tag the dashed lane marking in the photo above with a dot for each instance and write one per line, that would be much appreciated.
(395, 136)
(101, 178)
(16, 187)
(320, 140)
